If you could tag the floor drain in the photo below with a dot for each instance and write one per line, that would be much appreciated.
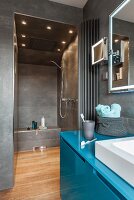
(41, 148)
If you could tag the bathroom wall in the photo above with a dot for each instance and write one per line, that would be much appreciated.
(37, 94)
(38, 8)
(70, 88)
(102, 10)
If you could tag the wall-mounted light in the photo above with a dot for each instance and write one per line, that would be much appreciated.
(23, 22)
(49, 28)
(23, 36)
(63, 42)
(23, 45)
(71, 31)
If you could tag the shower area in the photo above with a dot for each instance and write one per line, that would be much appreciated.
(46, 81)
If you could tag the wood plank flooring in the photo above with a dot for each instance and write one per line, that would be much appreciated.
(36, 177)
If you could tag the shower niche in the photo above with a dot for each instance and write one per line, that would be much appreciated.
(47, 73)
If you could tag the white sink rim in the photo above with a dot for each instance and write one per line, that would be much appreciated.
(111, 145)
(126, 146)
(118, 160)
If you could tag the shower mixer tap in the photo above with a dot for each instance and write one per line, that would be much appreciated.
(69, 99)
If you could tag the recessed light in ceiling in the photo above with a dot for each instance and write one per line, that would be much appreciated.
(63, 42)
(49, 28)
(71, 31)
(23, 36)
(116, 40)
(23, 45)
(23, 22)
(58, 50)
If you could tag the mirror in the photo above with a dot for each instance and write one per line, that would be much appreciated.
(121, 48)
(99, 51)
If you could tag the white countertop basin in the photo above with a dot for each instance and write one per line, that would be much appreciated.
(118, 155)
(126, 146)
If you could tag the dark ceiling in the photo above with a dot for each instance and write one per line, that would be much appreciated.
(41, 44)
(119, 37)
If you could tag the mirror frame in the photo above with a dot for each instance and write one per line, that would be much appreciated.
(129, 88)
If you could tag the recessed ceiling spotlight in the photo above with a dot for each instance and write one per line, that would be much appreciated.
(71, 31)
(23, 45)
(116, 40)
(49, 27)
(58, 50)
(23, 36)
(23, 22)
(63, 42)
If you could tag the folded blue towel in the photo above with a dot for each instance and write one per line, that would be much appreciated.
(106, 111)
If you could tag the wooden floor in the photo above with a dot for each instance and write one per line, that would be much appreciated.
(37, 176)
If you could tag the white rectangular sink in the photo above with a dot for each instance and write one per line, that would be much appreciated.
(118, 155)
(127, 146)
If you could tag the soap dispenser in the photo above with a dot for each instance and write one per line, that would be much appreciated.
(43, 122)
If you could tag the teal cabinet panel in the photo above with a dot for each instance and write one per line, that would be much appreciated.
(72, 174)
(79, 180)
(73, 182)
(99, 188)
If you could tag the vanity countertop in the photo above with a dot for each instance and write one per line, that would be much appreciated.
(73, 138)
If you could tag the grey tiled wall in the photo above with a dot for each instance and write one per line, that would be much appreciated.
(37, 94)
(70, 89)
(102, 9)
(37, 8)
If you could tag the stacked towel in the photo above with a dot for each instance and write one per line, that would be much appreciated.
(107, 111)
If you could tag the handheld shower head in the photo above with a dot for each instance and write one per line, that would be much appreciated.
(56, 64)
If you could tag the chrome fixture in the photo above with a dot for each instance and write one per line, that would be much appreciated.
(56, 64)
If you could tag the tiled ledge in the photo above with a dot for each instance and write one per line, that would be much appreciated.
(24, 130)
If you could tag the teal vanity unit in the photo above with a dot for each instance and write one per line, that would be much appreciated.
(83, 177)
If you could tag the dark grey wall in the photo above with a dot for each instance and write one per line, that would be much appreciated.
(102, 9)
(37, 95)
(70, 88)
(38, 8)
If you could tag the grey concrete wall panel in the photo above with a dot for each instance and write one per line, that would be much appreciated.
(70, 89)
(37, 8)
(37, 95)
(102, 10)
